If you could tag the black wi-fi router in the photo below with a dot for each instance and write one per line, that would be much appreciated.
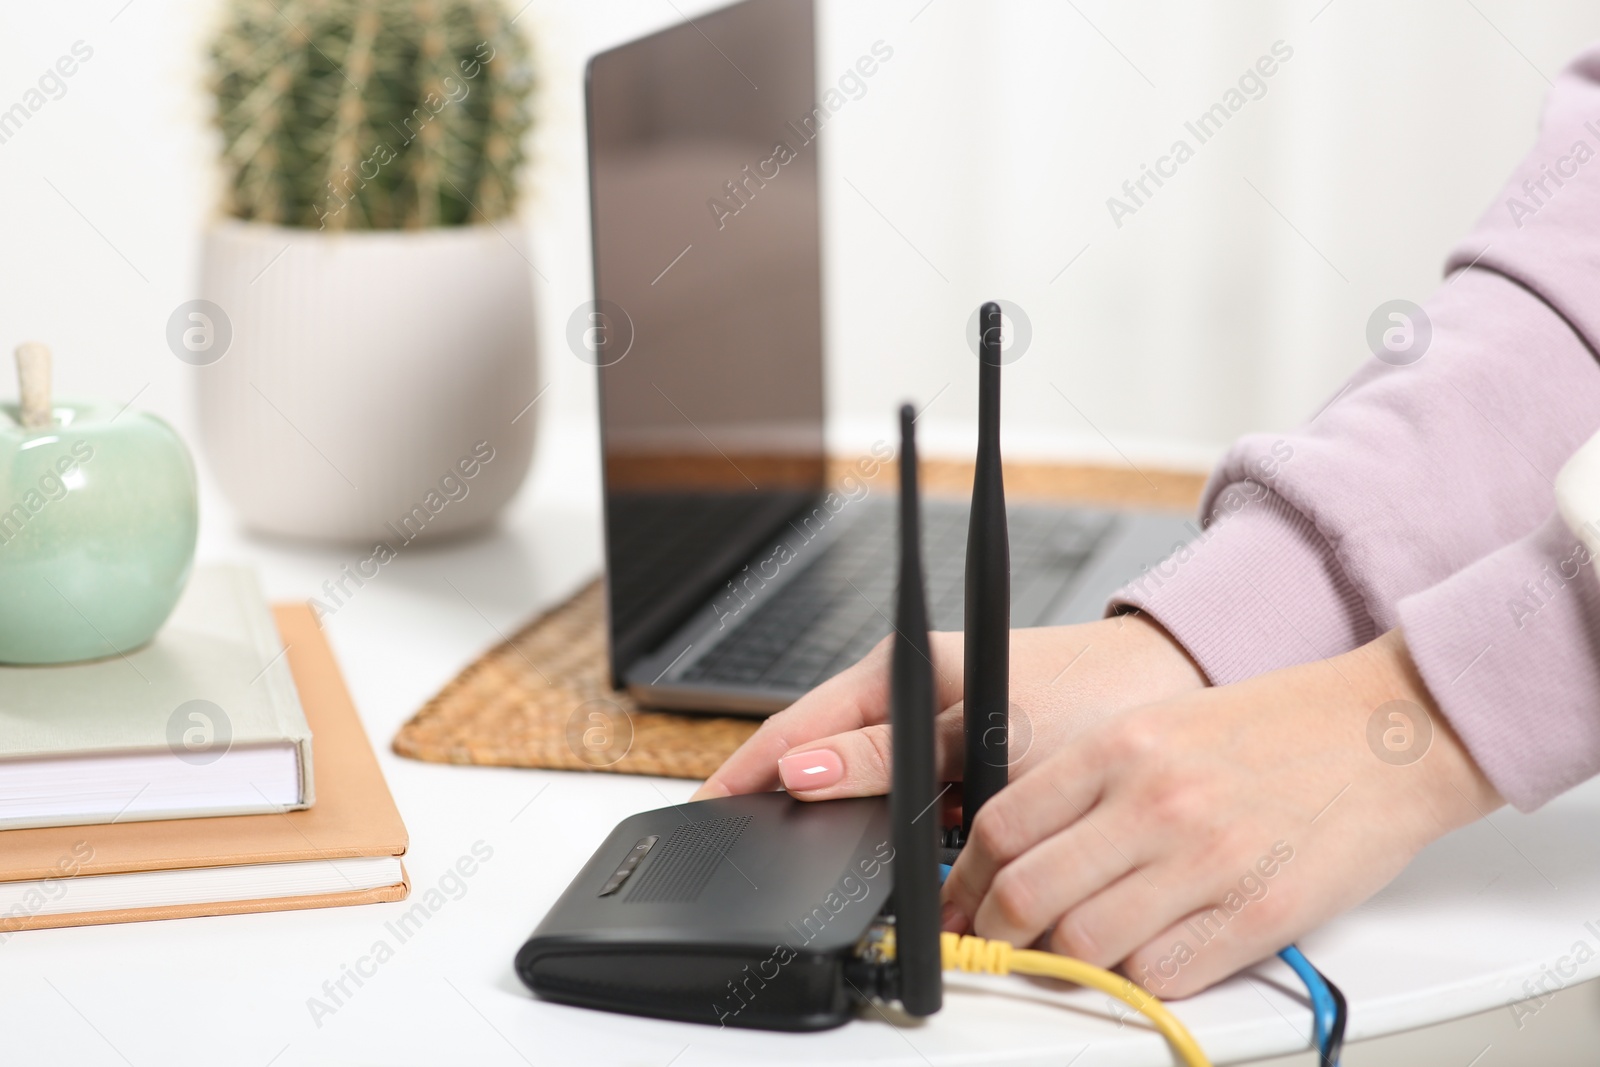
(768, 912)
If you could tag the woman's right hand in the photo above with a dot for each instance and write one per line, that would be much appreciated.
(834, 741)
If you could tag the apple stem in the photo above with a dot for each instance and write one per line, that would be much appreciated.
(33, 376)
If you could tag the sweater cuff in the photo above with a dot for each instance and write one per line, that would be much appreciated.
(1259, 589)
(1508, 648)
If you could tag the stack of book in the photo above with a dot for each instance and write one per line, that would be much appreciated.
(219, 769)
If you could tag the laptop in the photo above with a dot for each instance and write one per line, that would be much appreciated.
(738, 574)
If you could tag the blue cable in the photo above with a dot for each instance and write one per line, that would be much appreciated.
(1323, 1010)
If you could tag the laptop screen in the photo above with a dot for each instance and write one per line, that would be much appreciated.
(707, 321)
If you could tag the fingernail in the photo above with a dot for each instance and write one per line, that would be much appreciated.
(805, 771)
(951, 919)
(710, 791)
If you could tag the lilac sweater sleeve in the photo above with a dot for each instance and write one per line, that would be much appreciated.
(1422, 495)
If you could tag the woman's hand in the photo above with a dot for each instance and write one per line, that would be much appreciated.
(1191, 838)
(834, 741)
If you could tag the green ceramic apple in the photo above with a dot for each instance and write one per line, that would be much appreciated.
(98, 519)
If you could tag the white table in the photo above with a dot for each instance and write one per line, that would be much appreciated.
(1460, 931)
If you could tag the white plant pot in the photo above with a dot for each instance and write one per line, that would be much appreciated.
(365, 375)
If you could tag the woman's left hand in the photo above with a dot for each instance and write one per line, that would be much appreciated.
(1187, 839)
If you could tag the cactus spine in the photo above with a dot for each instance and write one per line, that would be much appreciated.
(371, 114)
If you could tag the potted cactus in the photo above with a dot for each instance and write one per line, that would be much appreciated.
(376, 340)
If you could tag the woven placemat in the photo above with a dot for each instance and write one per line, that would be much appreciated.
(544, 698)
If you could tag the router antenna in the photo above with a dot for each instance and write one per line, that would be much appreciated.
(988, 601)
(912, 799)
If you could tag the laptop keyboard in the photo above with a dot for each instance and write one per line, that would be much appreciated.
(833, 612)
(645, 566)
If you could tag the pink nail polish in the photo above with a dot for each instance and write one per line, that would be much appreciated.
(805, 771)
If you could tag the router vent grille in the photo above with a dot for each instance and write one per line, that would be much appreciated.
(684, 863)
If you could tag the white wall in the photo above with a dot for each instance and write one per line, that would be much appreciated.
(977, 164)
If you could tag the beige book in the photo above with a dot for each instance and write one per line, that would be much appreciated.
(345, 849)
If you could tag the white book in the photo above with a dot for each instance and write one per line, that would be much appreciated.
(345, 850)
(187, 887)
(202, 721)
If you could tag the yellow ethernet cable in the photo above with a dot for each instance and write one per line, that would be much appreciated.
(975, 954)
